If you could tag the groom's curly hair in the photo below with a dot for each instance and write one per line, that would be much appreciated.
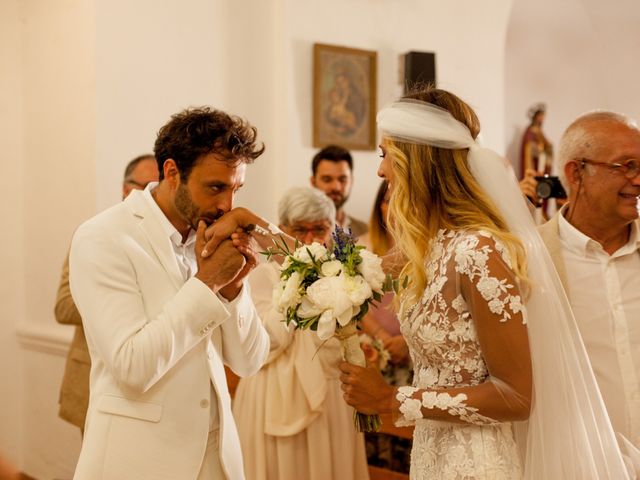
(195, 132)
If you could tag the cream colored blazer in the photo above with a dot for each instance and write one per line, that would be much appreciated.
(156, 344)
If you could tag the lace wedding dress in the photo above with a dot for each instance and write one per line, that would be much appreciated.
(471, 294)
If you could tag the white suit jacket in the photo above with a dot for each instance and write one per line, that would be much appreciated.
(156, 344)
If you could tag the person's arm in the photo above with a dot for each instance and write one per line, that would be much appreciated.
(528, 186)
(493, 301)
(65, 310)
(264, 232)
(245, 342)
(136, 349)
(371, 327)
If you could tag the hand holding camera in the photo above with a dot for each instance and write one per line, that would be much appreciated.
(539, 187)
(549, 186)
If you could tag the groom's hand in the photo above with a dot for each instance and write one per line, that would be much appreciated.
(222, 266)
(245, 244)
(225, 226)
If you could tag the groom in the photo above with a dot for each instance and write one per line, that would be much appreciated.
(161, 320)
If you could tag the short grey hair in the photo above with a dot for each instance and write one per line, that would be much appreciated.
(580, 139)
(305, 204)
(131, 166)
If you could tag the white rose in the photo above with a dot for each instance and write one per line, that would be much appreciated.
(318, 251)
(357, 289)
(331, 268)
(328, 298)
(371, 270)
(290, 293)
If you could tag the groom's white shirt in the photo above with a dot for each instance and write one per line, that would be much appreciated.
(157, 343)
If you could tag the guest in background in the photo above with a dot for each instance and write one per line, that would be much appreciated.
(291, 418)
(332, 172)
(594, 242)
(74, 391)
(381, 324)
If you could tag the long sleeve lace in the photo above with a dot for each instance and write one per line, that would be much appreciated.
(467, 336)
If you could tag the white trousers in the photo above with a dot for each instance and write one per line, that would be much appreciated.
(211, 468)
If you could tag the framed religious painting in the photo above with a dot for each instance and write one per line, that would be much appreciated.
(344, 97)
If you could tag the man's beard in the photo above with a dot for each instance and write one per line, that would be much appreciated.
(338, 199)
(189, 211)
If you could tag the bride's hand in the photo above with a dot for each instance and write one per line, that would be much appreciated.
(365, 389)
(223, 227)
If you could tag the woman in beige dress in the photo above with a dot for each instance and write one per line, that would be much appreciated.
(292, 421)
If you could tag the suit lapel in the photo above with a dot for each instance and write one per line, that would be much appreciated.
(158, 239)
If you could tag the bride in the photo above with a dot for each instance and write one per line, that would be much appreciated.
(491, 336)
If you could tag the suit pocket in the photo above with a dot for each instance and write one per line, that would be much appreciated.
(151, 412)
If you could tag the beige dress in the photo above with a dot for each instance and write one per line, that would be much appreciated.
(292, 420)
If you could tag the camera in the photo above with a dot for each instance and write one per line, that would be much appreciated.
(549, 187)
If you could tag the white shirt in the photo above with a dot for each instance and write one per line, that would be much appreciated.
(185, 254)
(604, 292)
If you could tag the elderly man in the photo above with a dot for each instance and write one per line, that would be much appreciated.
(594, 243)
(161, 320)
(290, 415)
(74, 391)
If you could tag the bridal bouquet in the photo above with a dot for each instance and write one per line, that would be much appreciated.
(329, 290)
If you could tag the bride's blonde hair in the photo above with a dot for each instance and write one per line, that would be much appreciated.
(433, 189)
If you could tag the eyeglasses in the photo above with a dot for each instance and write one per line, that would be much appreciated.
(316, 231)
(629, 168)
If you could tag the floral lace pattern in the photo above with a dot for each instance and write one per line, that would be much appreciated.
(443, 342)
(411, 408)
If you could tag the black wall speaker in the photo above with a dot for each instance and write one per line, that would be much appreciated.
(419, 68)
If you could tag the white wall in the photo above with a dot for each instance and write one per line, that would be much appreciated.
(576, 56)
(152, 60)
(12, 290)
(254, 58)
(469, 61)
(48, 130)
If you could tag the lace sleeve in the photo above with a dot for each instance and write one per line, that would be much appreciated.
(481, 372)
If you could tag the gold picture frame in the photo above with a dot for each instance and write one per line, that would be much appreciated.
(344, 97)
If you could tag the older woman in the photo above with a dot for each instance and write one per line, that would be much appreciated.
(292, 421)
